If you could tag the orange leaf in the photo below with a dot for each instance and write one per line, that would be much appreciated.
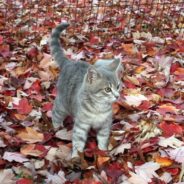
(20, 116)
(179, 71)
(101, 160)
(139, 69)
(115, 108)
(164, 161)
(33, 150)
(30, 135)
(129, 48)
(167, 108)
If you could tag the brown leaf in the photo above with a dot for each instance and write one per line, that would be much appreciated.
(30, 135)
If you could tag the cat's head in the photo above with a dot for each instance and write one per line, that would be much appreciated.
(103, 82)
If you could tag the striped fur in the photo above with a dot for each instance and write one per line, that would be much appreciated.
(83, 92)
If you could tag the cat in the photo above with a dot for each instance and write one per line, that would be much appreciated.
(85, 92)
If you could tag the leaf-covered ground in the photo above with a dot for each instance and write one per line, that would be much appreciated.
(146, 144)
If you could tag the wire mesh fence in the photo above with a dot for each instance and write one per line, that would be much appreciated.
(115, 17)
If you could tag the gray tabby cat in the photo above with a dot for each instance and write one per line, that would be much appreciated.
(86, 92)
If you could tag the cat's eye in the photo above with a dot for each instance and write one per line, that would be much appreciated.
(118, 86)
(108, 89)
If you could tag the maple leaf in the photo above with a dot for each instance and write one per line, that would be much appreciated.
(121, 148)
(144, 173)
(30, 135)
(23, 107)
(170, 141)
(170, 129)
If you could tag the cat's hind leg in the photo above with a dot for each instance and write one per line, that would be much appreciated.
(58, 114)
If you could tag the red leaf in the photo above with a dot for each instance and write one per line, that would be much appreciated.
(145, 105)
(174, 67)
(35, 86)
(47, 106)
(172, 171)
(42, 149)
(24, 107)
(94, 40)
(33, 52)
(5, 50)
(170, 129)
(166, 92)
(24, 181)
(1, 39)
(129, 85)
(114, 170)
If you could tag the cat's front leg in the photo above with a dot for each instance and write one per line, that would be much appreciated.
(103, 136)
(79, 138)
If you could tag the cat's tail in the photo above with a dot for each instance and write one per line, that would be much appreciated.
(55, 46)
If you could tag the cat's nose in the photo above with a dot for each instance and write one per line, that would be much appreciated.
(117, 96)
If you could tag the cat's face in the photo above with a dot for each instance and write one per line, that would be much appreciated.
(103, 83)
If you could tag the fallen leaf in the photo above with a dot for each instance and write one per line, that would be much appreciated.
(23, 107)
(176, 154)
(135, 100)
(13, 156)
(167, 108)
(64, 134)
(101, 160)
(144, 173)
(56, 178)
(24, 181)
(7, 176)
(170, 129)
(34, 150)
(163, 161)
(170, 141)
(166, 177)
(30, 135)
(121, 148)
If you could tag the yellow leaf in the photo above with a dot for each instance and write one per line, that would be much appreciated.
(30, 135)
(155, 97)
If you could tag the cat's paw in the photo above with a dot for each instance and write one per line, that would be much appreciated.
(102, 147)
(56, 126)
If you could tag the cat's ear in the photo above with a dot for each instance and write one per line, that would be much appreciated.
(92, 74)
(114, 65)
